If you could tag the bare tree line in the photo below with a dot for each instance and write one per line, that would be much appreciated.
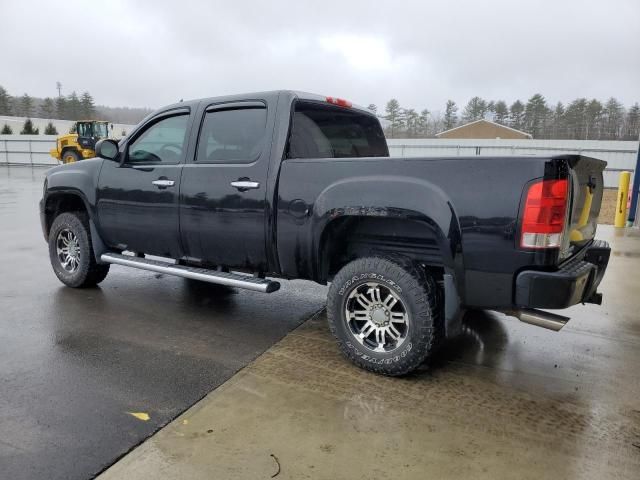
(581, 119)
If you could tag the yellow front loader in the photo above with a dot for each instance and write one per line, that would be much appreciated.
(81, 142)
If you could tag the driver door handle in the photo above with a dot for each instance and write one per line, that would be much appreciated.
(244, 185)
(163, 183)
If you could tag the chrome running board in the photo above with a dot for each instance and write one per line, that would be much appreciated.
(212, 276)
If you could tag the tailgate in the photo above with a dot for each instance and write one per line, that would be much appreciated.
(586, 184)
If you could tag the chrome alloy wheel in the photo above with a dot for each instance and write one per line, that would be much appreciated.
(377, 317)
(68, 249)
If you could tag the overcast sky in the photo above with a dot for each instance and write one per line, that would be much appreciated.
(150, 53)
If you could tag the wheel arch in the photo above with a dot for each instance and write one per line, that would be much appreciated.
(418, 223)
(62, 201)
(417, 219)
(347, 237)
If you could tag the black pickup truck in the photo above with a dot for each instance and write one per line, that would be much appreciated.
(243, 189)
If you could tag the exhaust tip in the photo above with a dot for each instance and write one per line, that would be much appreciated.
(539, 318)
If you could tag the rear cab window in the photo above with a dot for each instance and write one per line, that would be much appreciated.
(320, 130)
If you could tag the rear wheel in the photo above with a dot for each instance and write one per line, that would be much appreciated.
(71, 251)
(384, 314)
(70, 156)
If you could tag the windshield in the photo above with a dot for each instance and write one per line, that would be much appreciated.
(100, 130)
(92, 129)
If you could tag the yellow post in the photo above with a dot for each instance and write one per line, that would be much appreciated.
(623, 193)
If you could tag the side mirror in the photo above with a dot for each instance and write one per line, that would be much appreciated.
(107, 149)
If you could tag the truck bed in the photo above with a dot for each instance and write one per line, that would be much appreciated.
(468, 207)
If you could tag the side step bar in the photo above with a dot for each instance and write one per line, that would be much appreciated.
(212, 276)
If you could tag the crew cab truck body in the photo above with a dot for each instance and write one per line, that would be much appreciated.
(233, 190)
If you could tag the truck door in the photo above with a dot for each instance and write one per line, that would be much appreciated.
(223, 205)
(138, 199)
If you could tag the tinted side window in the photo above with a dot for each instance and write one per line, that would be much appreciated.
(162, 142)
(325, 131)
(232, 136)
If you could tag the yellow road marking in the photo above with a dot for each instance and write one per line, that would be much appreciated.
(140, 415)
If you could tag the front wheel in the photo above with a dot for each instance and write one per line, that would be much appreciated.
(71, 251)
(383, 313)
(70, 156)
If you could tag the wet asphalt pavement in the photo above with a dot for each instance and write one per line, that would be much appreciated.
(75, 363)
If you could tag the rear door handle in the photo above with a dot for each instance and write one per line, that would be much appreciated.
(162, 183)
(244, 185)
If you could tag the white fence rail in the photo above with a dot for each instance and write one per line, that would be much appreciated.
(34, 150)
(618, 155)
(27, 150)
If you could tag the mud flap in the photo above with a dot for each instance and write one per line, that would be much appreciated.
(98, 245)
(453, 313)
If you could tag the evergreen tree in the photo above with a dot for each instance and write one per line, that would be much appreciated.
(423, 123)
(87, 106)
(50, 129)
(613, 117)
(74, 107)
(632, 123)
(28, 129)
(535, 115)
(411, 119)
(593, 113)
(373, 108)
(6, 130)
(501, 112)
(394, 116)
(575, 118)
(516, 115)
(450, 115)
(558, 129)
(48, 108)
(475, 110)
(61, 108)
(26, 106)
(5, 102)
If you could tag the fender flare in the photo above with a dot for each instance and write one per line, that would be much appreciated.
(99, 247)
(408, 198)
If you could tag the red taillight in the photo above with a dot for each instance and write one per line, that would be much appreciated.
(341, 102)
(544, 214)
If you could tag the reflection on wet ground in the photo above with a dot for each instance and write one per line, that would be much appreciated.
(74, 362)
(502, 400)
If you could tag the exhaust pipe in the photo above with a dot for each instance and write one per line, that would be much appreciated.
(539, 318)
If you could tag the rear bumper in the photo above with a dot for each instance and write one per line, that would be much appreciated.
(576, 281)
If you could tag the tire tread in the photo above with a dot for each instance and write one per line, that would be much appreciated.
(92, 273)
(423, 295)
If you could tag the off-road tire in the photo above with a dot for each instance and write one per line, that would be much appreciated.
(88, 273)
(419, 294)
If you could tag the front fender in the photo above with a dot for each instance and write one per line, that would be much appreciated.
(79, 178)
